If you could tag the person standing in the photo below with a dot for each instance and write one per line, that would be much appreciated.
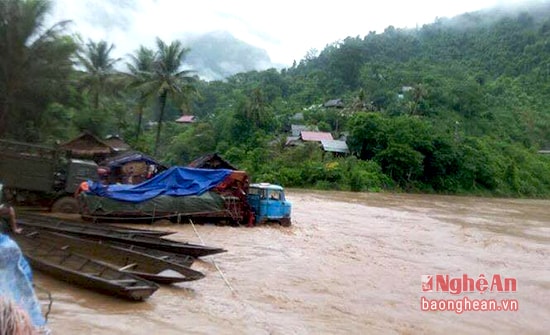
(7, 211)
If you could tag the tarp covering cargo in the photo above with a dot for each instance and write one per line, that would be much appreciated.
(176, 181)
(127, 157)
(208, 202)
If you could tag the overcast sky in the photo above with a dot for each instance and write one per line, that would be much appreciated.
(286, 29)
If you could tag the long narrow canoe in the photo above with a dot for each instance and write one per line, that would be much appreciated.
(77, 269)
(171, 257)
(152, 242)
(61, 223)
(148, 267)
(179, 259)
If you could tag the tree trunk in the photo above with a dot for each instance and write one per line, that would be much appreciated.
(3, 117)
(5, 111)
(96, 100)
(162, 98)
(141, 103)
(140, 118)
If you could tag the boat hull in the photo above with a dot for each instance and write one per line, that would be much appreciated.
(74, 268)
(152, 242)
(143, 265)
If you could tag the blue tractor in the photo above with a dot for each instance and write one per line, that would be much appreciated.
(268, 203)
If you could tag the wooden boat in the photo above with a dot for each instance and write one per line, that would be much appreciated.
(179, 259)
(142, 265)
(37, 218)
(77, 269)
(152, 242)
(171, 257)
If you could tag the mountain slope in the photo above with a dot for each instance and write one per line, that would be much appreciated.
(218, 55)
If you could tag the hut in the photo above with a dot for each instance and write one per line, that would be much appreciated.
(315, 136)
(296, 129)
(116, 142)
(308, 136)
(334, 103)
(211, 161)
(337, 147)
(186, 119)
(88, 146)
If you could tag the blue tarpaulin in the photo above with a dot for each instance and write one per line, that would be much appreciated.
(176, 181)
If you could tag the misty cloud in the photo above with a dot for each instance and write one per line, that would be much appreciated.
(110, 14)
(286, 29)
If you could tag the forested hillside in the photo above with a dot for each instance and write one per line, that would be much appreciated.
(456, 106)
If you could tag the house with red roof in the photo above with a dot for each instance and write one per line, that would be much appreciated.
(315, 136)
(186, 119)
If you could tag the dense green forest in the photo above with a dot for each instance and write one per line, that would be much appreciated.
(456, 106)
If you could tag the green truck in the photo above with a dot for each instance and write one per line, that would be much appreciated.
(37, 175)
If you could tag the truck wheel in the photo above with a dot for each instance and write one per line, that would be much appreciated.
(65, 205)
(285, 222)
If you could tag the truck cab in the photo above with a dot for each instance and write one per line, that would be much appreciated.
(79, 170)
(268, 203)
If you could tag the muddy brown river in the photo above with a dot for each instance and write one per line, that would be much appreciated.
(350, 264)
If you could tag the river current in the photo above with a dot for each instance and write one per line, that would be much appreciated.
(351, 263)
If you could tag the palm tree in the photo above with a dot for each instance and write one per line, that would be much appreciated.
(419, 93)
(255, 108)
(35, 64)
(99, 66)
(168, 80)
(141, 68)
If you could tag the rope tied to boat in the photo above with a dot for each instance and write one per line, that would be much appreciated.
(50, 299)
(212, 260)
(246, 306)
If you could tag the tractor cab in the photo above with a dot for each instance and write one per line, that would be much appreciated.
(268, 203)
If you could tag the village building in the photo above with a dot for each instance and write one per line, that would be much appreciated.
(325, 140)
(88, 146)
(296, 129)
(211, 161)
(334, 103)
(336, 147)
(117, 143)
(315, 136)
(186, 119)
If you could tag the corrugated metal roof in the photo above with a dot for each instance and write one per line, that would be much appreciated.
(335, 146)
(316, 136)
(186, 119)
(334, 103)
(292, 140)
(117, 143)
(130, 156)
(296, 129)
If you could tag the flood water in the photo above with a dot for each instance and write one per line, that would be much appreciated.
(350, 264)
